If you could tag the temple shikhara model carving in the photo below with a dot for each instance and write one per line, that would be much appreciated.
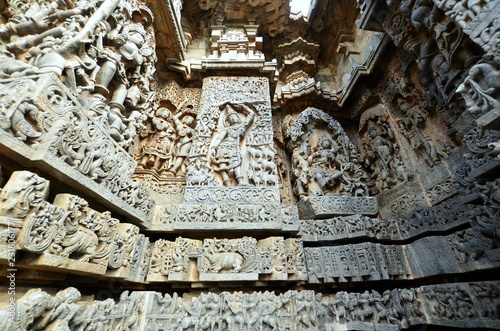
(239, 165)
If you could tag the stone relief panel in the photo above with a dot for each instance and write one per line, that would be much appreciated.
(394, 309)
(440, 48)
(355, 262)
(415, 127)
(324, 161)
(478, 19)
(165, 141)
(382, 149)
(101, 51)
(480, 89)
(67, 233)
(80, 69)
(234, 135)
(227, 216)
(215, 260)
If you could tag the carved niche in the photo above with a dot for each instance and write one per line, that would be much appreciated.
(381, 148)
(327, 168)
(324, 161)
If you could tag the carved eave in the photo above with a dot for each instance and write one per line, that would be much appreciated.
(170, 42)
(310, 88)
(339, 87)
(309, 50)
(364, 70)
(195, 69)
(373, 13)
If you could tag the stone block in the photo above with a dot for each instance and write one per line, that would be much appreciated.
(53, 262)
(336, 205)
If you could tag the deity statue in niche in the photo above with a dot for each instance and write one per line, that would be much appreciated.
(324, 161)
(412, 127)
(185, 132)
(324, 166)
(383, 155)
(225, 152)
(157, 151)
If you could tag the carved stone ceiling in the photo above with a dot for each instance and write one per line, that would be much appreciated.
(331, 25)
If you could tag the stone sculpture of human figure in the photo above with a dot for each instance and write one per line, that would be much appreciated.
(225, 152)
(413, 124)
(185, 133)
(300, 169)
(323, 165)
(158, 149)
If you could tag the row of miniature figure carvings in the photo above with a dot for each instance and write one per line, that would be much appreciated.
(460, 252)
(225, 216)
(68, 232)
(462, 305)
(355, 262)
(51, 122)
(190, 260)
(442, 217)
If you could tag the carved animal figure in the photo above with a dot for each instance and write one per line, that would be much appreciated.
(230, 261)
(83, 241)
(267, 153)
(268, 165)
(255, 166)
(187, 322)
(255, 176)
(255, 153)
(269, 179)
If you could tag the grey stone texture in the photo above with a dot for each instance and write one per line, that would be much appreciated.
(214, 165)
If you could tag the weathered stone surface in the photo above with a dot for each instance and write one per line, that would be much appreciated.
(219, 260)
(332, 205)
(224, 217)
(394, 309)
(125, 125)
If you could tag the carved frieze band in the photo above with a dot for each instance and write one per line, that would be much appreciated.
(68, 232)
(356, 262)
(190, 260)
(331, 205)
(475, 306)
(227, 216)
(445, 216)
(245, 195)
